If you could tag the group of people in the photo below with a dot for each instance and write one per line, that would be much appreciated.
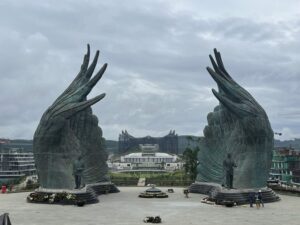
(256, 198)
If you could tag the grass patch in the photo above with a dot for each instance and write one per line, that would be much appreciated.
(177, 178)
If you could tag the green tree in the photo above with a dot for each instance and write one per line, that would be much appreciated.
(190, 157)
(162, 165)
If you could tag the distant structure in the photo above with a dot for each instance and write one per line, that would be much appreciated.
(286, 165)
(149, 156)
(25, 145)
(16, 163)
(149, 159)
(167, 144)
(295, 143)
(149, 148)
(16, 160)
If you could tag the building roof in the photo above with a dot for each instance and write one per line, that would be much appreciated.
(140, 154)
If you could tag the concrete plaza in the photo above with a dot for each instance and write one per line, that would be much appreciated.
(126, 208)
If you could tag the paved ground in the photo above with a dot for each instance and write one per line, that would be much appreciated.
(126, 208)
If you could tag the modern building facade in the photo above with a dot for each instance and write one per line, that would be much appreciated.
(16, 160)
(286, 165)
(15, 164)
(167, 143)
(149, 158)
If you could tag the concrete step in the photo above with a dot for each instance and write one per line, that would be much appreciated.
(104, 188)
(219, 194)
(89, 194)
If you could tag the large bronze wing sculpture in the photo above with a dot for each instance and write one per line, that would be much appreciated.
(240, 126)
(68, 129)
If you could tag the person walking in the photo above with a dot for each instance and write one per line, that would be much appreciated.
(260, 198)
(257, 201)
(251, 198)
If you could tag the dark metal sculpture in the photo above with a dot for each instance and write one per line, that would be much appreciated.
(239, 126)
(67, 130)
(228, 166)
(78, 168)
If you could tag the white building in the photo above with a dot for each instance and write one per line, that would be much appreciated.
(14, 163)
(150, 159)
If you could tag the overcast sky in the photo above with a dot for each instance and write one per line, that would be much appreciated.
(157, 52)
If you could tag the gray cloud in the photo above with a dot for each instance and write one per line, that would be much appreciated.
(157, 52)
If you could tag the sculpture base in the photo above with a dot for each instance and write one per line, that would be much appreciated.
(222, 195)
(104, 188)
(86, 195)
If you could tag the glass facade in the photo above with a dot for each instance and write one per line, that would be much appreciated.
(15, 163)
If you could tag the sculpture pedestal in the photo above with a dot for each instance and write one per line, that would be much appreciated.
(88, 194)
(221, 195)
(104, 188)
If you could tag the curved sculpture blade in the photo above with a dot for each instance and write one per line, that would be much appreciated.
(240, 126)
(68, 129)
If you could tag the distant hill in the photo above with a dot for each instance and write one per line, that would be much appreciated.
(184, 141)
(26, 145)
(112, 146)
(289, 143)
